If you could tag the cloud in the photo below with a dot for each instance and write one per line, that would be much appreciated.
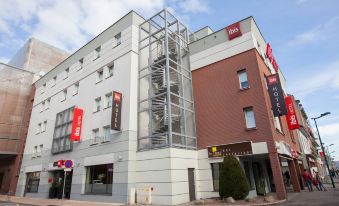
(68, 24)
(298, 2)
(329, 135)
(194, 6)
(4, 60)
(325, 78)
(320, 32)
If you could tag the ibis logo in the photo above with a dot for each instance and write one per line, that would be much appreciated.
(233, 31)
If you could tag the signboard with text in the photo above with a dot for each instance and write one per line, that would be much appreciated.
(276, 95)
(233, 31)
(269, 55)
(76, 125)
(291, 117)
(116, 111)
(236, 149)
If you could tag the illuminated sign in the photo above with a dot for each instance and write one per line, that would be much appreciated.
(291, 117)
(276, 95)
(269, 55)
(116, 111)
(76, 125)
(236, 149)
(233, 31)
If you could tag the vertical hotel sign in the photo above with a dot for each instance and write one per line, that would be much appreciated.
(291, 117)
(269, 55)
(276, 95)
(116, 111)
(76, 125)
(233, 31)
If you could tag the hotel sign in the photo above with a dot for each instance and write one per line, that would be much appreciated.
(233, 31)
(269, 55)
(116, 111)
(291, 117)
(236, 149)
(276, 95)
(76, 125)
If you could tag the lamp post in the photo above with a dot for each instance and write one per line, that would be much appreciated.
(322, 146)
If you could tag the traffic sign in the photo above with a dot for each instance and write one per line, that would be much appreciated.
(68, 163)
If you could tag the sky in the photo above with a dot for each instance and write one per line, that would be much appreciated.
(303, 35)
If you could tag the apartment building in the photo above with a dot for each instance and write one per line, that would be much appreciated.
(149, 108)
(235, 113)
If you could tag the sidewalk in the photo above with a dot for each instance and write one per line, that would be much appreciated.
(52, 202)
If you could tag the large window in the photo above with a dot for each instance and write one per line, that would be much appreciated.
(62, 131)
(99, 179)
(243, 79)
(33, 179)
(249, 117)
(215, 175)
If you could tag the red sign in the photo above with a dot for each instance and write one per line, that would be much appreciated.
(76, 125)
(269, 54)
(291, 117)
(233, 31)
(60, 163)
(321, 154)
(116, 111)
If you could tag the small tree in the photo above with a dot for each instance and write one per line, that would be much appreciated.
(232, 179)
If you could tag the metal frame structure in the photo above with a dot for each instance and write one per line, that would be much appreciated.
(165, 101)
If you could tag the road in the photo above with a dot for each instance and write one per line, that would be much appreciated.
(12, 204)
(315, 198)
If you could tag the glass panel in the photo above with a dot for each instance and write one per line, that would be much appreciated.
(250, 121)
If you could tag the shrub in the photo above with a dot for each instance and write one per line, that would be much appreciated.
(232, 179)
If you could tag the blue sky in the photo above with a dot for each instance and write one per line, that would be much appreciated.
(302, 33)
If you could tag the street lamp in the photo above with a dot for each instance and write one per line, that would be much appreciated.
(322, 146)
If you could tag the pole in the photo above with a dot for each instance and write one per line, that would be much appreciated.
(63, 189)
(322, 148)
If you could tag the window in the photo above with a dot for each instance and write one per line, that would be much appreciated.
(40, 149)
(43, 88)
(66, 73)
(107, 130)
(108, 100)
(33, 179)
(43, 126)
(117, 39)
(99, 179)
(95, 135)
(97, 51)
(277, 122)
(215, 175)
(35, 150)
(39, 128)
(110, 69)
(243, 79)
(42, 106)
(81, 62)
(48, 102)
(249, 117)
(64, 95)
(62, 131)
(97, 104)
(100, 74)
(54, 81)
(76, 88)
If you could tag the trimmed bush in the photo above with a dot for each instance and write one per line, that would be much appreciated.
(232, 179)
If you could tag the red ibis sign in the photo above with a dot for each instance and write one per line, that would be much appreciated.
(76, 125)
(291, 117)
(269, 55)
(233, 31)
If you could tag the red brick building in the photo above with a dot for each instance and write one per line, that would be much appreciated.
(233, 106)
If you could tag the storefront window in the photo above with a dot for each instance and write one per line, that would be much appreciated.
(215, 175)
(33, 179)
(99, 179)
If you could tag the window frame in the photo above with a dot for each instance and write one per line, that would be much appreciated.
(32, 177)
(117, 39)
(243, 71)
(90, 172)
(249, 109)
(97, 105)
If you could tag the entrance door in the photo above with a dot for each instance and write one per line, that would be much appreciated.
(1, 178)
(259, 178)
(191, 183)
(68, 184)
(57, 186)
